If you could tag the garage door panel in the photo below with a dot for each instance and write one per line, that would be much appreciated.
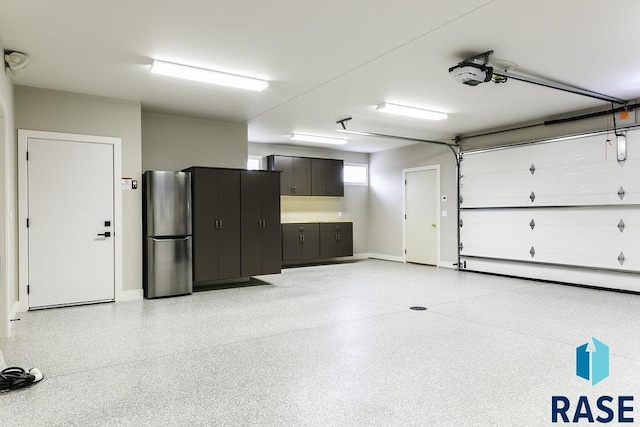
(588, 184)
(577, 171)
(578, 236)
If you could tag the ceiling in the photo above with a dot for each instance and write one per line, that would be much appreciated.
(327, 60)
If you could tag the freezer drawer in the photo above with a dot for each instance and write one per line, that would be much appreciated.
(168, 267)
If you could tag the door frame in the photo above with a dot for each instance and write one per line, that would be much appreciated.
(23, 240)
(404, 209)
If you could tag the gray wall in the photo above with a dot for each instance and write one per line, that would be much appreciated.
(175, 143)
(386, 195)
(54, 111)
(354, 206)
(8, 203)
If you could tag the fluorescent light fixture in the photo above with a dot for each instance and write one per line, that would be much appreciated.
(319, 139)
(207, 76)
(402, 110)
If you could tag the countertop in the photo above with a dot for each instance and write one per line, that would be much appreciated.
(313, 222)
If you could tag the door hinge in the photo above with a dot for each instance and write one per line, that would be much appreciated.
(28, 289)
(27, 222)
(405, 217)
(405, 182)
(405, 251)
(27, 156)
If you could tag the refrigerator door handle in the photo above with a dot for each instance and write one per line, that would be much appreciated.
(162, 240)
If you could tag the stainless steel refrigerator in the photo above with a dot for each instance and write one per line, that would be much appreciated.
(167, 246)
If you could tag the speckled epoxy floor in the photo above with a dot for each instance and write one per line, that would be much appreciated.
(328, 345)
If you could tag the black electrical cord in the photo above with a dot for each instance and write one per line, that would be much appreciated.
(14, 378)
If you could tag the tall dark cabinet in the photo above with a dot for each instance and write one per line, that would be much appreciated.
(216, 223)
(261, 243)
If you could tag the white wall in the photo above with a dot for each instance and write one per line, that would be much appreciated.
(8, 204)
(386, 192)
(175, 143)
(354, 206)
(54, 111)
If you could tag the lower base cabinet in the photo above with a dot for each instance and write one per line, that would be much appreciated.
(311, 242)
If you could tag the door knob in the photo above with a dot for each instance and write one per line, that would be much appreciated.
(105, 234)
(433, 224)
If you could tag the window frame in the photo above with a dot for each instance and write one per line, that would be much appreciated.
(361, 165)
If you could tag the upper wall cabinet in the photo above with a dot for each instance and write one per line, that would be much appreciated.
(302, 176)
(327, 177)
(295, 179)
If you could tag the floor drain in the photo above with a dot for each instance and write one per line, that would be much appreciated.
(417, 308)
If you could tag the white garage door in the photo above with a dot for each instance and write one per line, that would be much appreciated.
(563, 210)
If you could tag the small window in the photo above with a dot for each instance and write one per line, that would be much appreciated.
(356, 174)
(254, 163)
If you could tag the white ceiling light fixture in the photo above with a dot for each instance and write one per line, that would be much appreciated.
(318, 139)
(403, 110)
(207, 76)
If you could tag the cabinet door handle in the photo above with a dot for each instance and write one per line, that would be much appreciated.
(299, 238)
(217, 224)
(221, 224)
(259, 223)
(303, 238)
(339, 237)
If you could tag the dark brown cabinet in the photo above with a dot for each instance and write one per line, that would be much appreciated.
(216, 223)
(295, 177)
(310, 242)
(302, 176)
(327, 177)
(336, 239)
(261, 244)
(300, 242)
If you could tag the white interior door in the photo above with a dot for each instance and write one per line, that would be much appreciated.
(421, 216)
(70, 208)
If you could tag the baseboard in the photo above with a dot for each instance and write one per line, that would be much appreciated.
(133, 295)
(360, 256)
(448, 264)
(386, 257)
